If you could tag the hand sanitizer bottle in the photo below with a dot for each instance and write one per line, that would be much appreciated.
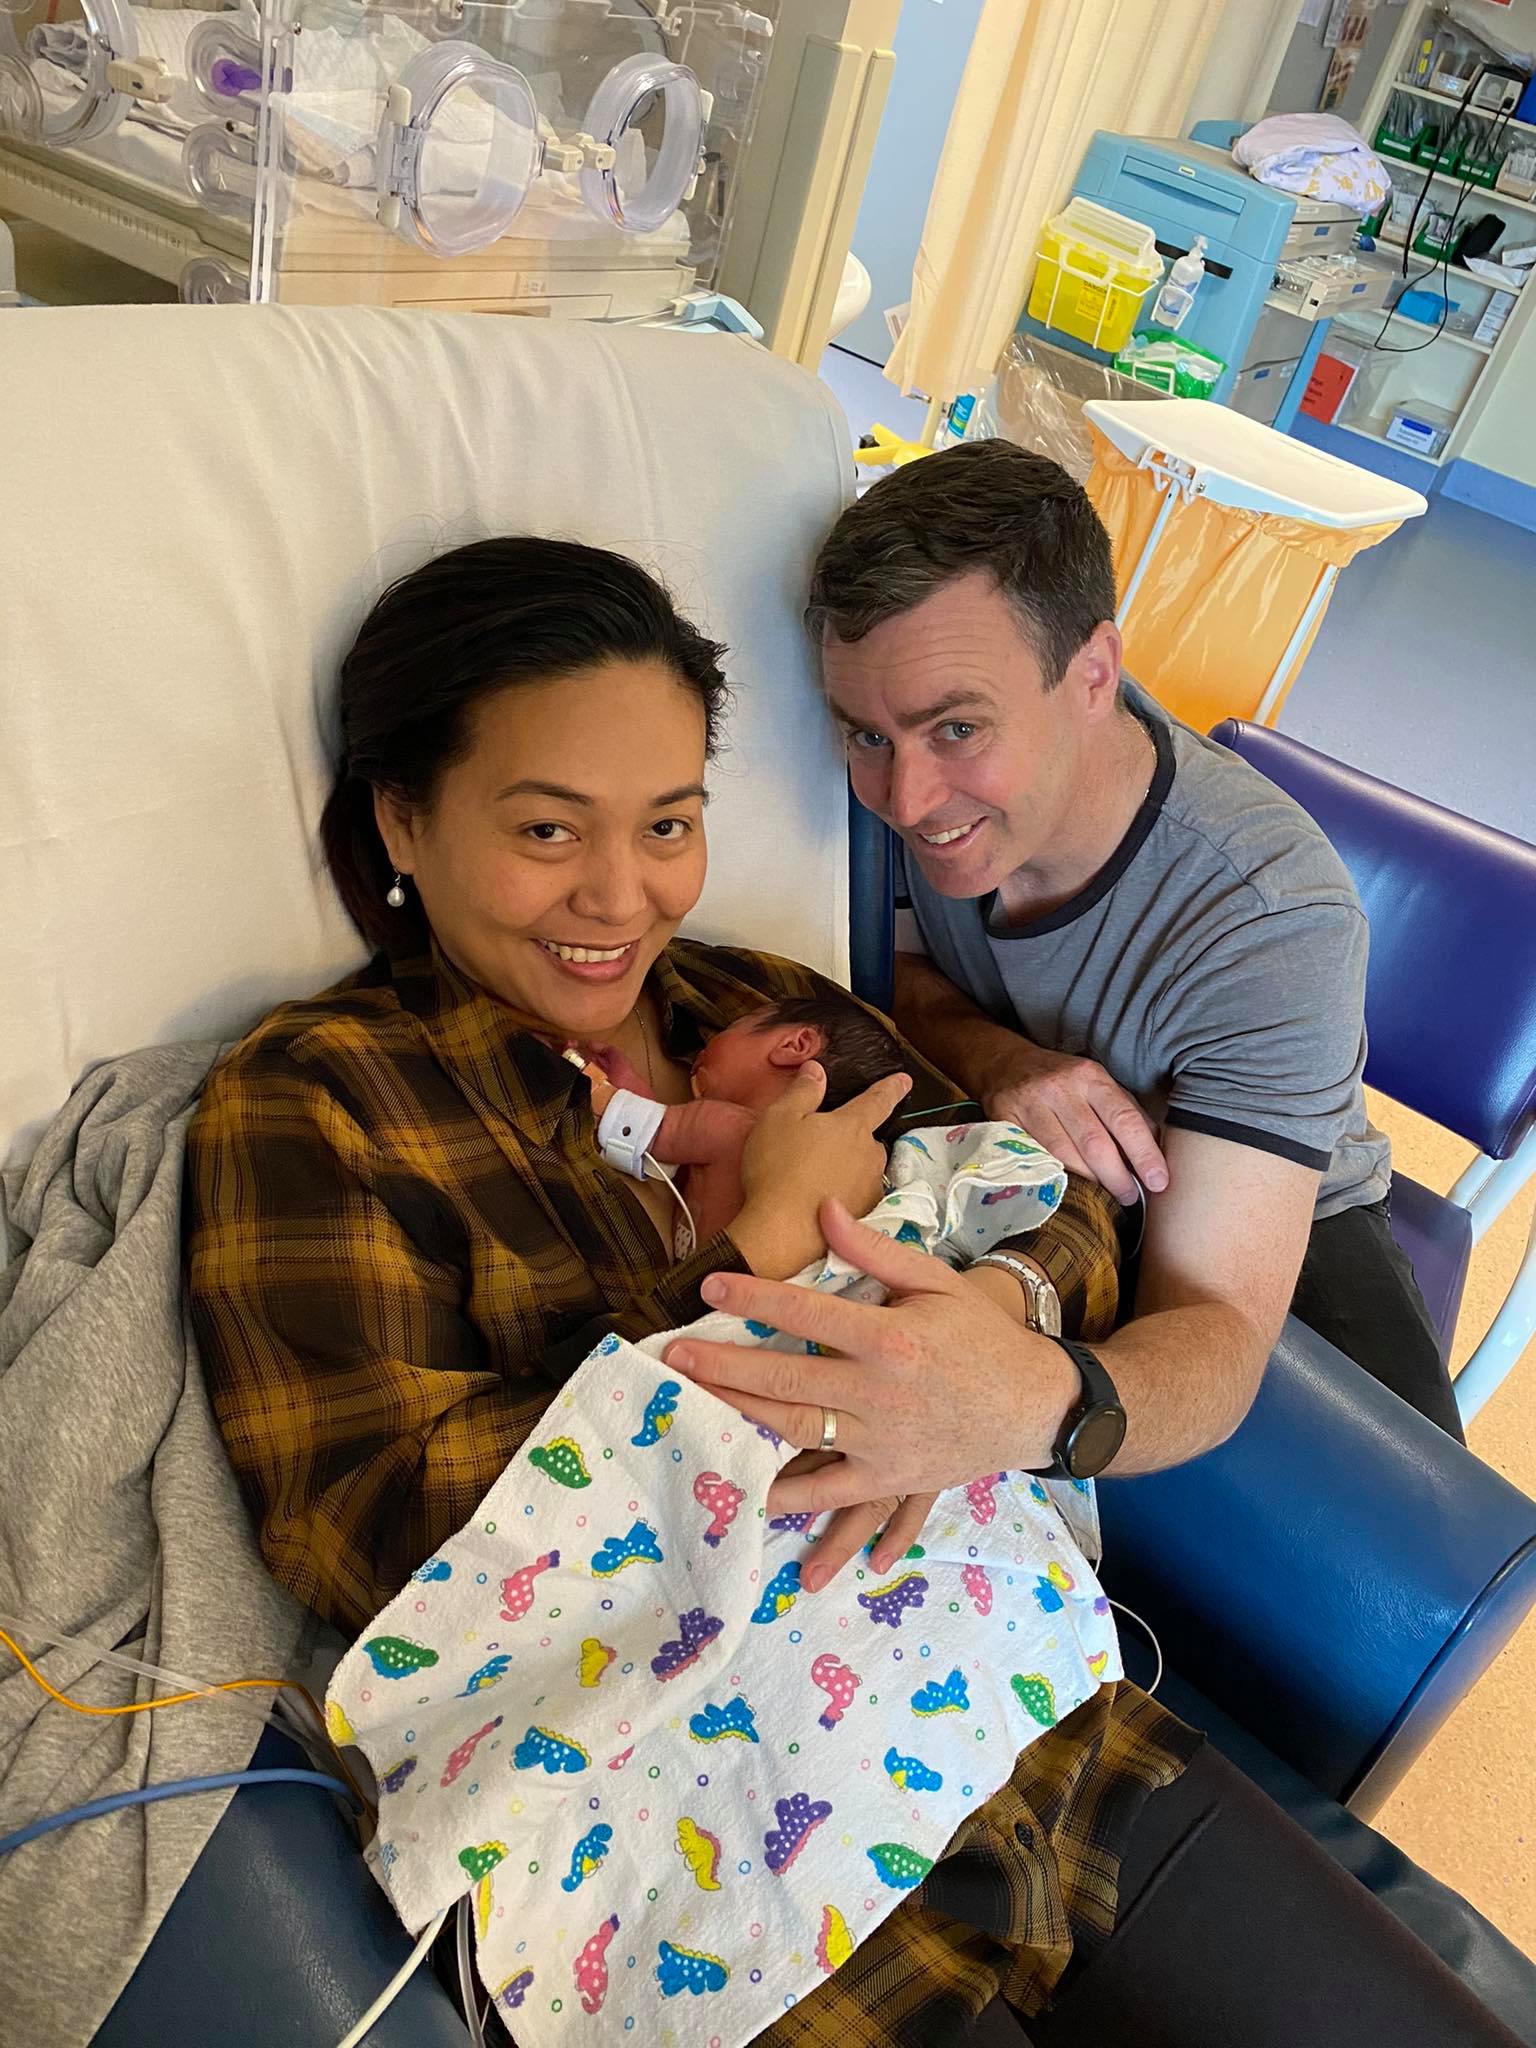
(1179, 288)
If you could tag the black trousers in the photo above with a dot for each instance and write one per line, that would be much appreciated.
(1357, 1289)
(1236, 1930)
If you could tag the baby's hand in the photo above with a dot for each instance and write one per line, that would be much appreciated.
(619, 1070)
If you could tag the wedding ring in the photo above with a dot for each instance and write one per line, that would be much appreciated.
(828, 1430)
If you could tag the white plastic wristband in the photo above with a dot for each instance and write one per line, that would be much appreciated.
(627, 1130)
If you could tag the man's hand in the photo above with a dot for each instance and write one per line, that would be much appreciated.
(1071, 1106)
(1075, 1110)
(932, 1390)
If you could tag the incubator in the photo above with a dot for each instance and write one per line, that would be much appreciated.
(572, 158)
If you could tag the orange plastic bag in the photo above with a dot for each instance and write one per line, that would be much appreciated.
(1222, 595)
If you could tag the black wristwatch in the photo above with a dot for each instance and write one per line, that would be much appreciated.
(1094, 1428)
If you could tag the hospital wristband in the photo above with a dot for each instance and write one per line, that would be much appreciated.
(627, 1130)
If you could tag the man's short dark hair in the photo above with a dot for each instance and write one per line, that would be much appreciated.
(986, 505)
(857, 1049)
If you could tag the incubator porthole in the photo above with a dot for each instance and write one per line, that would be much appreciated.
(220, 169)
(224, 66)
(646, 113)
(77, 54)
(457, 151)
(206, 281)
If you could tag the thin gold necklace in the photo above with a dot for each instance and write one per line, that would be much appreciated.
(645, 1041)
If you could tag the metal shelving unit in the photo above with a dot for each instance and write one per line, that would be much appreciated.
(1452, 369)
(1445, 99)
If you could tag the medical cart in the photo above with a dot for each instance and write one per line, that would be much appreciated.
(1180, 189)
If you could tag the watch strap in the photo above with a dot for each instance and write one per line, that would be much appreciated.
(1044, 1308)
(1098, 1391)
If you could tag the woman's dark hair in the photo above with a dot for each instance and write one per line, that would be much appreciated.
(463, 627)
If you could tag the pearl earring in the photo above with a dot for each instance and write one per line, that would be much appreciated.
(395, 895)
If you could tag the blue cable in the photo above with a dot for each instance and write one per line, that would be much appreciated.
(147, 1795)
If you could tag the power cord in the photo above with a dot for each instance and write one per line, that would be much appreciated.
(193, 1691)
(1442, 263)
(469, 1996)
(151, 1795)
(1146, 1627)
(396, 1984)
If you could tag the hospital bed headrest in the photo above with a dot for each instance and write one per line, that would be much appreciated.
(199, 506)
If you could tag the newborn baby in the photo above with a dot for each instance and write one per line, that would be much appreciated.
(737, 1075)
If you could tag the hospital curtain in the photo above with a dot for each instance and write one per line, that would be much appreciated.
(1042, 75)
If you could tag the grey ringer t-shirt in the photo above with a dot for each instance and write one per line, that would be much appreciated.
(1215, 966)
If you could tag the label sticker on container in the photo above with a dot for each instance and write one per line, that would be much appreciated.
(1410, 433)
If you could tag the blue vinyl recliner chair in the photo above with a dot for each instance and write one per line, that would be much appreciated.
(1450, 1008)
(301, 458)
(1328, 1463)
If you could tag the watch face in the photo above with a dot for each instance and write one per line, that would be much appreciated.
(1095, 1441)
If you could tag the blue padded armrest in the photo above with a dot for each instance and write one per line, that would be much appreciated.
(279, 1938)
(871, 906)
(1336, 1577)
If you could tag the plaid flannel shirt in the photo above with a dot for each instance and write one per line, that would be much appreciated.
(402, 1239)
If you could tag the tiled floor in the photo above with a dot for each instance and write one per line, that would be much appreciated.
(1425, 674)
(1467, 1809)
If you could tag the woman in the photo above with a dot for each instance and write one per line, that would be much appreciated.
(402, 1238)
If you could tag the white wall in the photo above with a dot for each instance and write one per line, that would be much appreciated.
(1504, 436)
(1240, 66)
(1512, 27)
(932, 44)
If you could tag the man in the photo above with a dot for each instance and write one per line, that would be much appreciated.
(1117, 933)
(1098, 894)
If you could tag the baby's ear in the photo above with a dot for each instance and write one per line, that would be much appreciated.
(793, 1047)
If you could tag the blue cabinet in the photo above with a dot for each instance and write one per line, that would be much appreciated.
(1184, 189)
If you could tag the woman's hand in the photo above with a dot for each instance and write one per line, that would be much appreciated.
(936, 1388)
(799, 1156)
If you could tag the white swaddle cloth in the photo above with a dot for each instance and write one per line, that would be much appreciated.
(680, 1792)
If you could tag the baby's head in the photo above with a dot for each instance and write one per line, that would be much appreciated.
(754, 1060)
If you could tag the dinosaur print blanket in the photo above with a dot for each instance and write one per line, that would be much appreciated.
(679, 1790)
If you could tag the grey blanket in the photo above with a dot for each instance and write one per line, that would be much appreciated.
(120, 1520)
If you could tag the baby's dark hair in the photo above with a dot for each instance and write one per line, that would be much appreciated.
(857, 1049)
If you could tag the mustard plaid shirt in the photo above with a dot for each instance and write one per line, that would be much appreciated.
(402, 1239)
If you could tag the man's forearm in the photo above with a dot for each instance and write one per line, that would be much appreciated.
(1173, 1413)
(948, 1028)
(1187, 1377)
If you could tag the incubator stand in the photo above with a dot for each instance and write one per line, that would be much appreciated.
(569, 158)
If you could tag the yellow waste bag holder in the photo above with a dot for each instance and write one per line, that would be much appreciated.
(1228, 540)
